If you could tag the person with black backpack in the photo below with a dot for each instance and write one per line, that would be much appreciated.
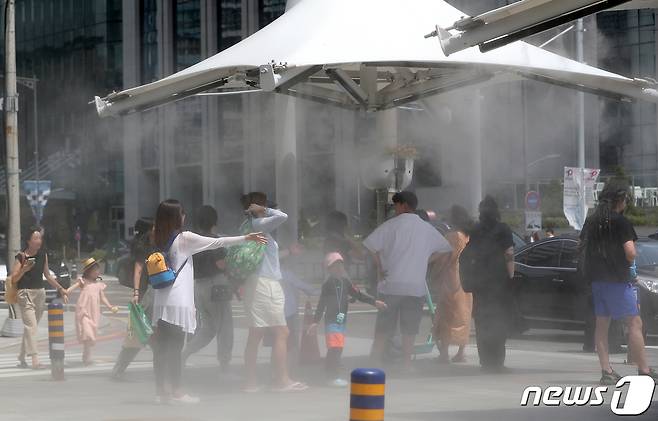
(486, 269)
(213, 295)
(132, 274)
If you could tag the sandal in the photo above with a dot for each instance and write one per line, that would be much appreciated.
(39, 367)
(22, 364)
(292, 387)
(458, 359)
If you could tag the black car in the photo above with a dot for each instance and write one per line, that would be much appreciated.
(550, 290)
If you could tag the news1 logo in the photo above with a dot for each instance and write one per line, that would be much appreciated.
(638, 396)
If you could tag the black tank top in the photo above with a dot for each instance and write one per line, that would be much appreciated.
(34, 278)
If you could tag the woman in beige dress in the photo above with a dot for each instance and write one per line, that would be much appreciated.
(453, 318)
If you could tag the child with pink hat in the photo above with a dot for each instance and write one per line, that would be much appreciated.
(333, 305)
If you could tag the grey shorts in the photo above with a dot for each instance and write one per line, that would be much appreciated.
(405, 309)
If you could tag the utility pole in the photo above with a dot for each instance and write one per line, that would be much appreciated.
(12, 326)
(11, 134)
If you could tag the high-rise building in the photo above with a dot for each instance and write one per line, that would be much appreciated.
(72, 48)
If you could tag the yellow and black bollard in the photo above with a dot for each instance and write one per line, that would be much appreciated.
(367, 395)
(56, 340)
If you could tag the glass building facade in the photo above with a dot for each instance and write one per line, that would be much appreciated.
(627, 45)
(74, 49)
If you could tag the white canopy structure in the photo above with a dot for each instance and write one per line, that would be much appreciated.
(367, 54)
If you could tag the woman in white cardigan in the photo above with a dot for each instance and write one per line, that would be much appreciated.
(174, 313)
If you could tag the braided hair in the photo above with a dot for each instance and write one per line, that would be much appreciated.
(599, 227)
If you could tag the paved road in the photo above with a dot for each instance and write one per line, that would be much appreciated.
(435, 392)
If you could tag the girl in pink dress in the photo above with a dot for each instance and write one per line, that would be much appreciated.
(88, 306)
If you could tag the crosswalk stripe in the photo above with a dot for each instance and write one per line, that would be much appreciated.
(43, 356)
(104, 367)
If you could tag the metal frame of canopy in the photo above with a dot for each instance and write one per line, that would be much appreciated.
(381, 86)
(514, 22)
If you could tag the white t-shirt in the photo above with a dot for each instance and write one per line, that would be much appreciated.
(405, 244)
(175, 305)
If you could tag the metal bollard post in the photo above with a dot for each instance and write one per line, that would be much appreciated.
(56, 340)
(367, 395)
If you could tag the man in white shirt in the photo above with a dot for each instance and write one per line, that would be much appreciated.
(402, 248)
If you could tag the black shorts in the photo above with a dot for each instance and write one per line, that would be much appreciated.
(408, 310)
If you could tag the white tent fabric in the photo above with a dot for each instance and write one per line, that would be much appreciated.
(365, 54)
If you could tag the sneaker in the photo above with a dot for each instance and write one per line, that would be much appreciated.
(186, 399)
(609, 379)
(339, 383)
(652, 373)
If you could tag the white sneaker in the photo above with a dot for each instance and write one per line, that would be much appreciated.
(339, 383)
(186, 399)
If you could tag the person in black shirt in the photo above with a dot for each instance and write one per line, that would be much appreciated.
(30, 267)
(333, 305)
(213, 294)
(494, 301)
(141, 247)
(608, 245)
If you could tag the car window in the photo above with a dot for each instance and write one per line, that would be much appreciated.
(519, 242)
(544, 255)
(569, 254)
(647, 254)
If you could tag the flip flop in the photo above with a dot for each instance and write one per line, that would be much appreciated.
(39, 367)
(291, 388)
(22, 364)
(458, 359)
(254, 389)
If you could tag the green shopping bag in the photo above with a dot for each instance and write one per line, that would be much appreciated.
(139, 324)
(244, 260)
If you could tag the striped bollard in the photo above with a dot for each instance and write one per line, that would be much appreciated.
(56, 340)
(367, 395)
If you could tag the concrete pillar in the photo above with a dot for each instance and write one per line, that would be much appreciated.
(131, 123)
(386, 137)
(387, 128)
(250, 17)
(287, 188)
(347, 174)
(475, 181)
(210, 109)
(253, 109)
(166, 114)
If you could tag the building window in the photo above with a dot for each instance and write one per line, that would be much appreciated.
(269, 10)
(187, 33)
(230, 24)
(149, 34)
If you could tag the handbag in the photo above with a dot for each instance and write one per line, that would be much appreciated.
(139, 324)
(11, 292)
(220, 293)
(244, 260)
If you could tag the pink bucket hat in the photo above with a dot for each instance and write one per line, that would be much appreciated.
(332, 258)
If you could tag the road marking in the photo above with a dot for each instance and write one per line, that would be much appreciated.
(73, 364)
